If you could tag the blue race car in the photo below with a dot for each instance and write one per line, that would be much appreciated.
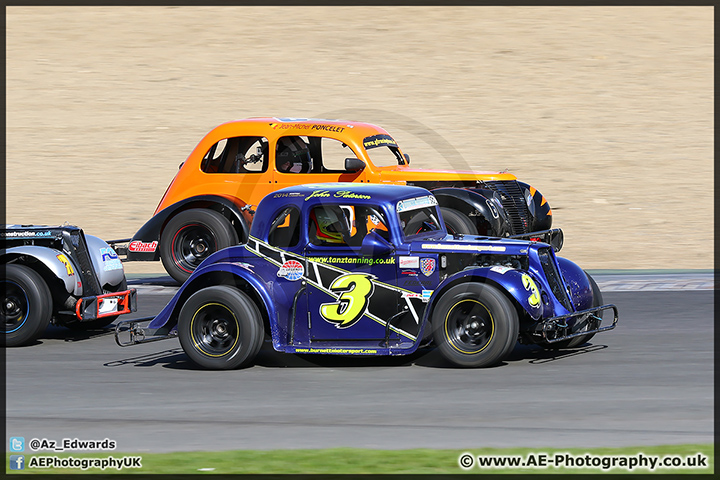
(371, 270)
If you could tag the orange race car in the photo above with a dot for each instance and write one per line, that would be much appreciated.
(209, 204)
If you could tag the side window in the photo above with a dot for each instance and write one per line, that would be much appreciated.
(285, 229)
(345, 225)
(334, 153)
(237, 155)
(301, 154)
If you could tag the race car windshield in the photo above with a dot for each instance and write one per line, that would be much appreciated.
(383, 151)
(419, 215)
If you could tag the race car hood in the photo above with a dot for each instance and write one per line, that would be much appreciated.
(399, 173)
(470, 244)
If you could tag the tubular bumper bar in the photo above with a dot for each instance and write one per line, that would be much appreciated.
(138, 334)
(556, 329)
(554, 237)
(109, 304)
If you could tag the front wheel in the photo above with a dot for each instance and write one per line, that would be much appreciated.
(475, 325)
(192, 236)
(220, 328)
(27, 305)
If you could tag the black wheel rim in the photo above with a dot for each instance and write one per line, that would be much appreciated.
(191, 245)
(469, 326)
(214, 330)
(15, 307)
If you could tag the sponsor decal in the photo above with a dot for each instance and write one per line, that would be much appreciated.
(427, 266)
(26, 234)
(110, 259)
(292, 270)
(416, 282)
(426, 294)
(287, 194)
(378, 141)
(416, 203)
(500, 269)
(474, 248)
(409, 262)
(409, 272)
(139, 246)
(340, 194)
(66, 262)
(529, 284)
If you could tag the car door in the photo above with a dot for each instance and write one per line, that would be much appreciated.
(352, 298)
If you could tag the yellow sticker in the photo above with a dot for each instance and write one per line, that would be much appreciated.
(66, 262)
(529, 284)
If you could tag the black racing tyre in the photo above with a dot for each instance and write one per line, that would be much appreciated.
(220, 328)
(190, 237)
(583, 339)
(456, 222)
(73, 324)
(26, 307)
(474, 325)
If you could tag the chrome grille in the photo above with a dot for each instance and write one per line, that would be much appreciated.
(513, 201)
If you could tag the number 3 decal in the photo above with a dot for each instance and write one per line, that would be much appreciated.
(355, 291)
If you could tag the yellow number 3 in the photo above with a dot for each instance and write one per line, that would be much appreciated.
(529, 284)
(355, 291)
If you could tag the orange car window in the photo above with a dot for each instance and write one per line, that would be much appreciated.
(237, 155)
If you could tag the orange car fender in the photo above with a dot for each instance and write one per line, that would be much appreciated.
(144, 245)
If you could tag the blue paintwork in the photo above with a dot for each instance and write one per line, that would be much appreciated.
(274, 277)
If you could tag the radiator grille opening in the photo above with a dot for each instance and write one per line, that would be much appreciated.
(553, 277)
(513, 200)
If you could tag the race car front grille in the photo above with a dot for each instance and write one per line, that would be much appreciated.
(553, 277)
(76, 247)
(513, 200)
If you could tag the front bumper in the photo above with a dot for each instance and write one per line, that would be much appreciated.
(556, 329)
(106, 305)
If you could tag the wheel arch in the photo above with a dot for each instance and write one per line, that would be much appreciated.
(228, 207)
(508, 283)
(227, 275)
(480, 209)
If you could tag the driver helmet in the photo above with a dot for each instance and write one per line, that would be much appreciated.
(293, 155)
(328, 224)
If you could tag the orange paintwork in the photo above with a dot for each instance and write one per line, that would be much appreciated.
(250, 188)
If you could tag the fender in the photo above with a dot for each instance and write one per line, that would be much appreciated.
(519, 284)
(576, 279)
(149, 234)
(54, 260)
(105, 260)
(203, 277)
(478, 205)
(538, 207)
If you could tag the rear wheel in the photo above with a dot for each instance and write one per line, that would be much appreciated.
(457, 223)
(27, 305)
(475, 325)
(220, 328)
(192, 236)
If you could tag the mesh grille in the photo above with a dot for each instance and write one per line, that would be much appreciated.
(553, 277)
(513, 201)
(79, 252)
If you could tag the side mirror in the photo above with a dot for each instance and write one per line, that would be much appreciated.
(354, 165)
(373, 245)
(407, 158)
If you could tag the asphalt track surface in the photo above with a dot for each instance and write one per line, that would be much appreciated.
(648, 382)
